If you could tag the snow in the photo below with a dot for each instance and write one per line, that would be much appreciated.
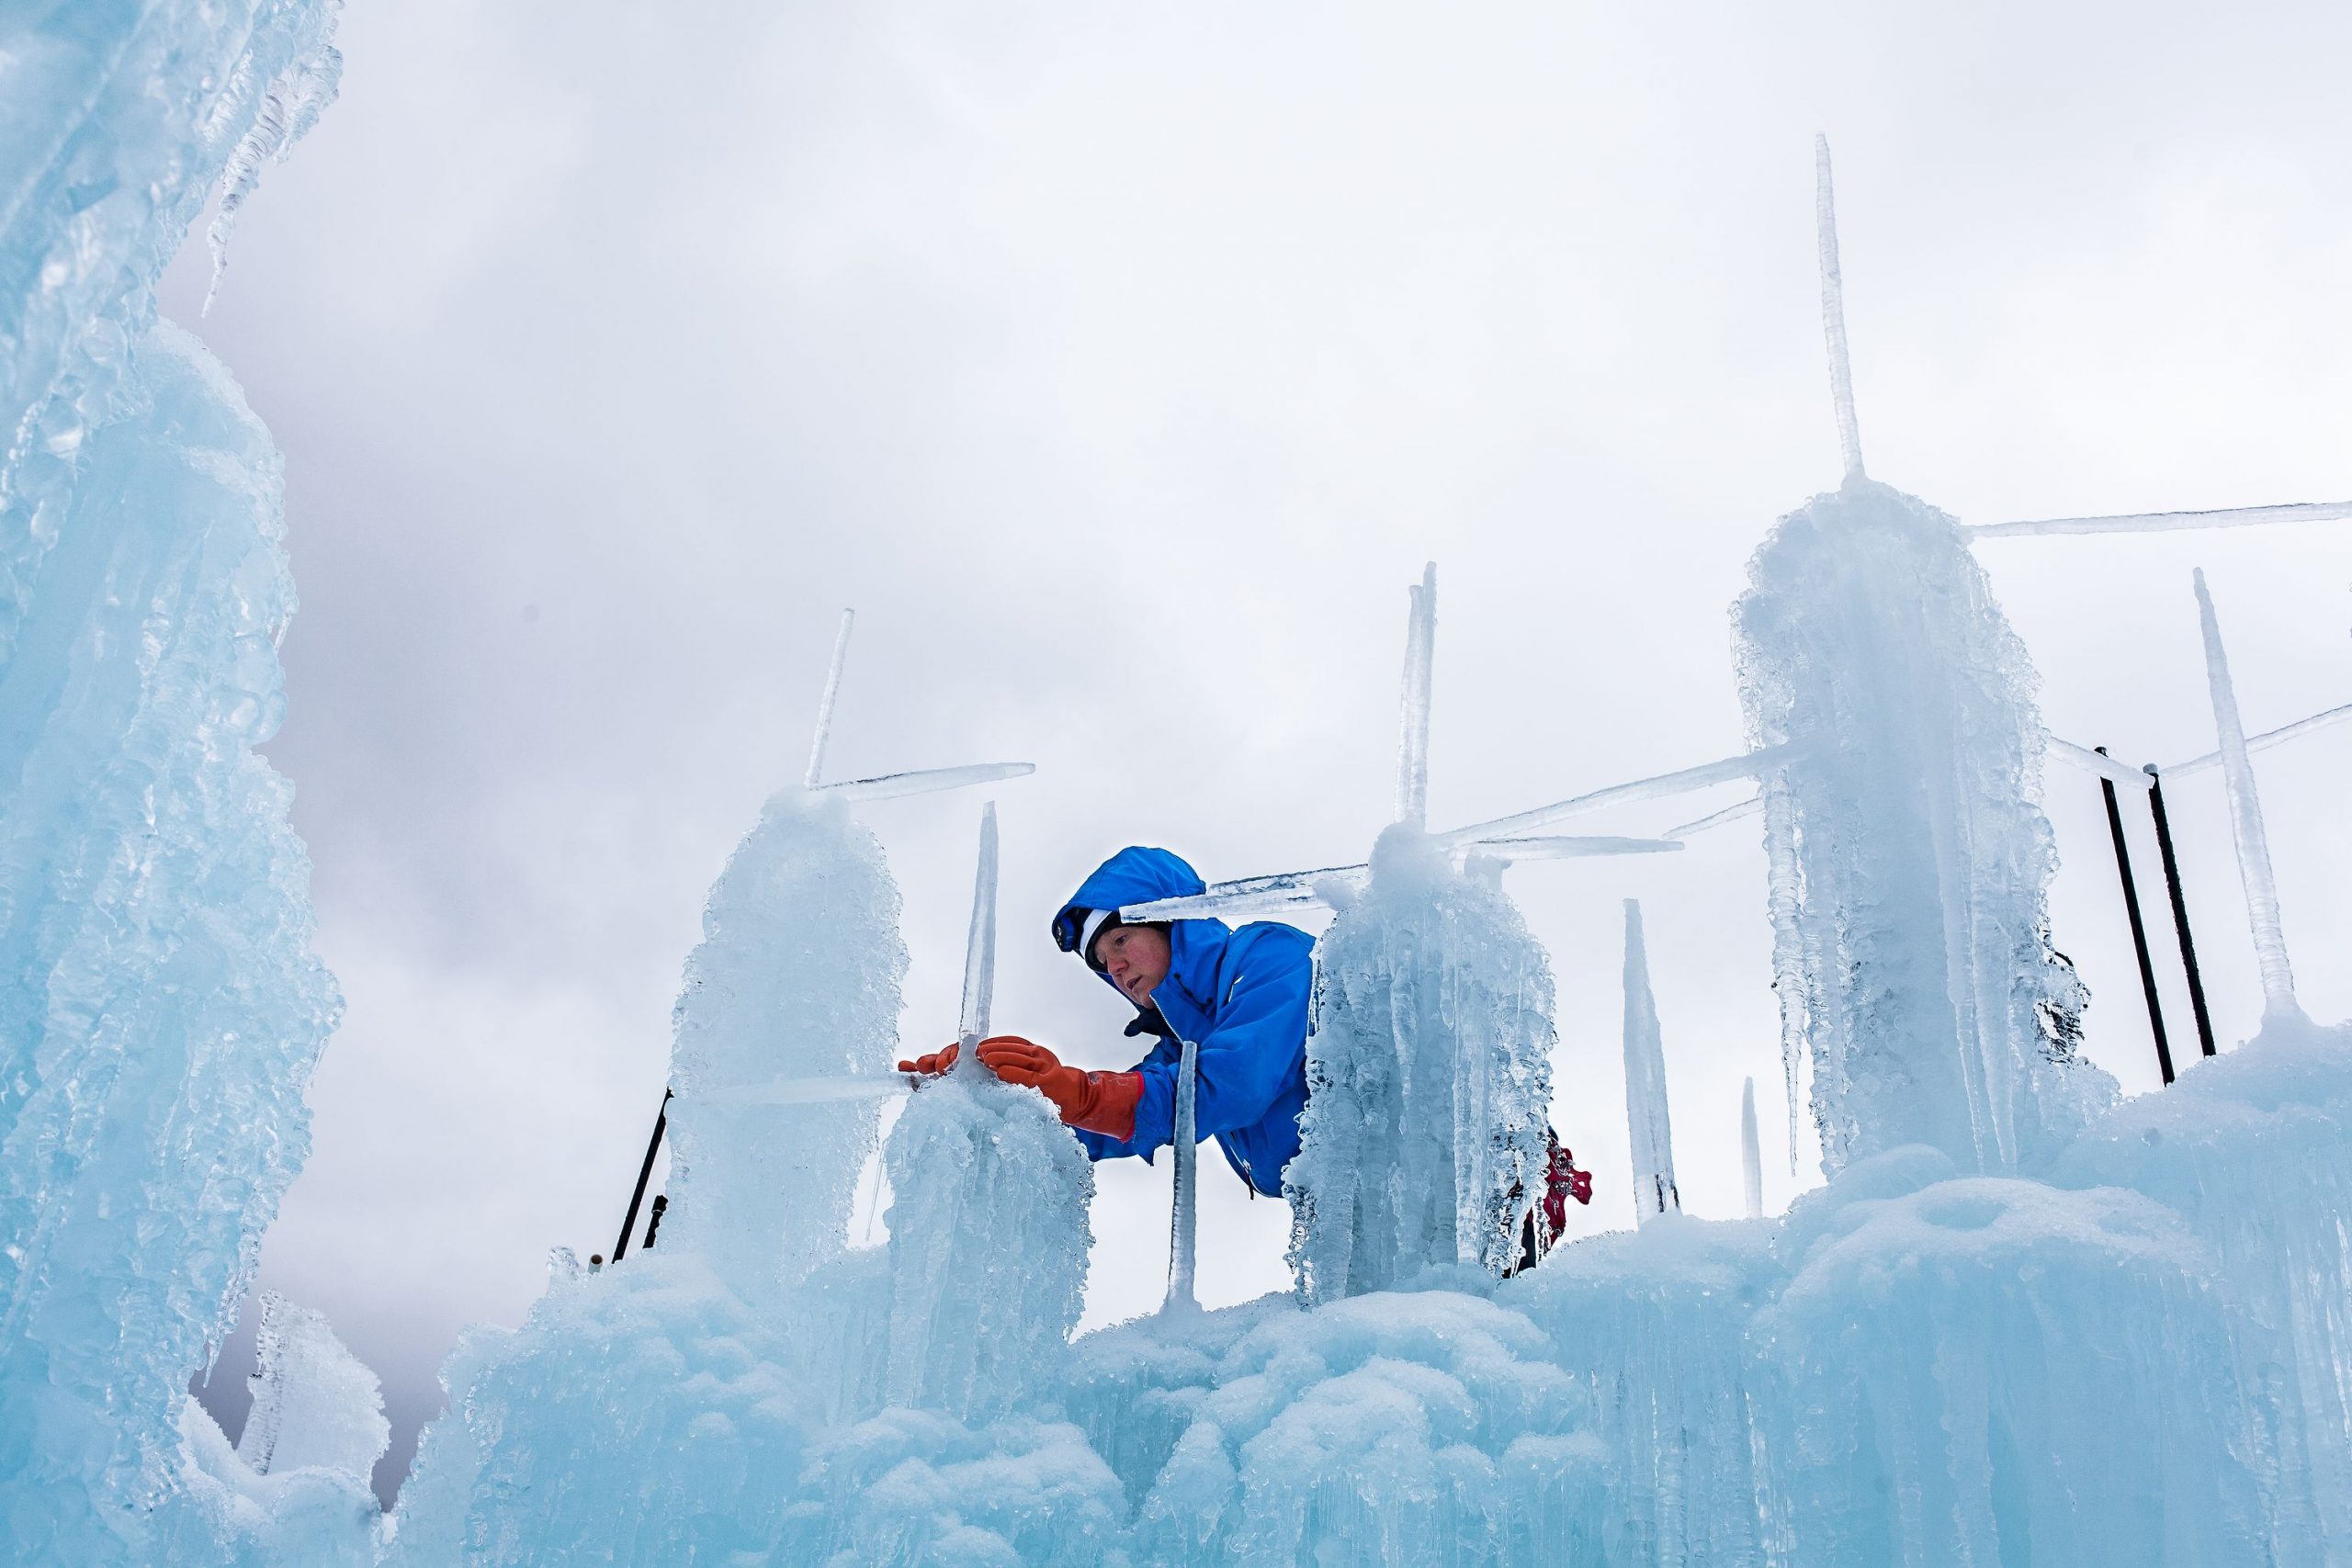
(2246, 830)
(1429, 1075)
(1649, 1130)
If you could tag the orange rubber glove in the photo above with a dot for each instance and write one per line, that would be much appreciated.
(1098, 1102)
(935, 1063)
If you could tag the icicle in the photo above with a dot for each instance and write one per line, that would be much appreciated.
(1751, 1156)
(810, 1091)
(288, 110)
(1184, 1222)
(1652, 1134)
(1413, 744)
(979, 948)
(926, 780)
(1576, 848)
(2263, 741)
(1748, 808)
(1833, 310)
(2246, 822)
(2100, 764)
(1747, 765)
(825, 703)
(1781, 899)
(2168, 522)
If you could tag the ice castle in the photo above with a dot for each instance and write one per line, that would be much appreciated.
(2024, 1322)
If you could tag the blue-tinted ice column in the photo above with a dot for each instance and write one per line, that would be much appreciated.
(1910, 862)
(797, 977)
(1430, 1079)
(162, 1009)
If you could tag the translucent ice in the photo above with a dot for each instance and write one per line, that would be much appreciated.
(1413, 747)
(2246, 822)
(2169, 522)
(1428, 1073)
(1751, 1156)
(1649, 1129)
(1909, 861)
(1833, 310)
(162, 1010)
(291, 105)
(314, 1406)
(797, 976)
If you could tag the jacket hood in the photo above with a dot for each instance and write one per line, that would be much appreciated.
(1138, 874)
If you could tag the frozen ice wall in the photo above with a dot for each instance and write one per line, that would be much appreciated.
(2254, 1149)
(797, 977)
(162, 1010)
(1909, 860)
(1429, 1073)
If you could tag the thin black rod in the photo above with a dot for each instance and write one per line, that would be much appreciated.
(645, 1174)
(2179, 911)
(2139, 928)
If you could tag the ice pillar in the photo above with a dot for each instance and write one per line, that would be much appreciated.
(1910, 860)
(1650, 1130)
(2246, 822)
(797, 977)
(1428, 1073)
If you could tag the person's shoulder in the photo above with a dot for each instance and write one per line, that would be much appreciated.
(1270, 939)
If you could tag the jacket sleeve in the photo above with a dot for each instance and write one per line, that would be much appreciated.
(1255, 1048)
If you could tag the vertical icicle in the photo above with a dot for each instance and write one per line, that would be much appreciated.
(825, 703)
(1413, 741)
(980, 946)
(2246, 822)
(1833, 310)
(1184, 1229)
(1751, 1156)
(1781, 899)
(1652, 1134)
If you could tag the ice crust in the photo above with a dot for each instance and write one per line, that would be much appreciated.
(1909, 872)
(1429, 1077)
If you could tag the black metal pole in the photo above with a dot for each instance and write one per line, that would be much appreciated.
(2179, 911)
(645, 1174)
(2139, 930)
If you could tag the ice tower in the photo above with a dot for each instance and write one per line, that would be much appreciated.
(1909, 862)
(162, 1011)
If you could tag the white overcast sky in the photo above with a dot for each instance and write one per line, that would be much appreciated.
(1122, 366)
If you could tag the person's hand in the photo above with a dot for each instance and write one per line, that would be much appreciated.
(1016, 1060)
(935, 1063)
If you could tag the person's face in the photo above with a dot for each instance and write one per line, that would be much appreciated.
(1135, 958)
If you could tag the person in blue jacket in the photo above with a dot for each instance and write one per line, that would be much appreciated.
(1240, 995)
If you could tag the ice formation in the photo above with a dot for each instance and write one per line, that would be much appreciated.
(1650, 1130)
(163, 1008)
(1429, 1080)
(797, 976)
(2137, 1356)
(2246, 828)
(1909, 874)
(315, 1407)
(1751, 1156)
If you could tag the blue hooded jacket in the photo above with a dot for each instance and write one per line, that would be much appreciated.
(1240, 995)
